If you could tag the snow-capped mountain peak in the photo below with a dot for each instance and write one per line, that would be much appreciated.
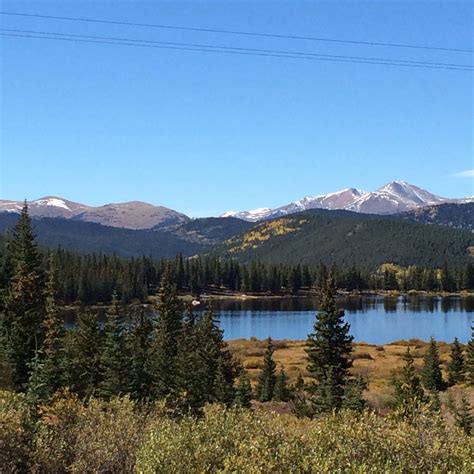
(393, 197)
(251, 216)
(51, 201)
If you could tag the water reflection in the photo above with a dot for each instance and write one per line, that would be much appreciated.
(373, 319)
(363, 304)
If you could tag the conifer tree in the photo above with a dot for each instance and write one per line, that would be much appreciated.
(191, 373)
(353, 398)
(329, 350)
(267, 378)
(431, 373)
(243, 394)
(49, 368)
(113, 362)
(281, 392)
(409, 394)
(161, 363)
(138, 346)
(5, 367)
(219, 367)
(435, 402)
(463, 416)
(23, 301)
(86, 354)
(456, 364)
(470, 358)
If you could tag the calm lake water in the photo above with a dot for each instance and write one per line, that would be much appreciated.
(373, 319)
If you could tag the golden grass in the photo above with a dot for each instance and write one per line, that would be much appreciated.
(376, 363)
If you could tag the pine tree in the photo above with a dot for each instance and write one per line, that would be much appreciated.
(463, 416)
(23, 301)
(49, 369)
(113, 363)
(86, 354)
(456, 364)
(281, 392)
(470, 359)
(5, 367)
(219, 367)
(138, 347)
(161, 363)
(329, 350)
(243, 394)
(409, 394)
(191, 373)
(353, 398)
(434, 402)
(431, 373)
(267, 378)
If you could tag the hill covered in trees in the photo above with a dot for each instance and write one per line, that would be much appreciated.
(88, 237)
(349, 239)
(332, 237)
(458, 216)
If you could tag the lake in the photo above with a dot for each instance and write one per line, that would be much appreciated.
(373, 319)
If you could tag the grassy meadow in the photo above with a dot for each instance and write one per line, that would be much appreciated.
(376, 363)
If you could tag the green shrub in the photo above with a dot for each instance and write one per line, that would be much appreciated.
(247, 442)
(96, 436)
(16, 432)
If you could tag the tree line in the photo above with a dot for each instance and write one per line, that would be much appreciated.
(91, 279)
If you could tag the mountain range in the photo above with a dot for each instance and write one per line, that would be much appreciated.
(129, 215)
(394, 197)
(427, 236)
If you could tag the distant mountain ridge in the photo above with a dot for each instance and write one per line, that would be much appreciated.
(128, 215)
(442, 233)
(392, 198)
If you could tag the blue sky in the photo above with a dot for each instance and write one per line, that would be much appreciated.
(203, 133)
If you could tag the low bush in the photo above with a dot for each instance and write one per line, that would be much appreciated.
(97, 436)
(242, 441)
(16, 432)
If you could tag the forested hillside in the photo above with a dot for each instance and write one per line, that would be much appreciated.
(88, 237)
(332, 237)
(208, 230)
(459, 216)
(348, 239)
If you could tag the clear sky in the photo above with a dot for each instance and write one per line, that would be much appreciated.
(203, 133)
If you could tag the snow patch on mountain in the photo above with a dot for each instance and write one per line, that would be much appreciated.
(55, 202)
(394, 197)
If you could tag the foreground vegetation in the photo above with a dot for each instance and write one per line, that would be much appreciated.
(70, 435)
(165, 392)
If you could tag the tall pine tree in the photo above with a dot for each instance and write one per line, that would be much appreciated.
(50, 366)
(431, 375)
(329, 350)
(219, 367)
(409, 394)
(113, 359)
(470, 358)
(23, 301)
(267, 378)
(456, 364)
(161, 365)
(86, 355)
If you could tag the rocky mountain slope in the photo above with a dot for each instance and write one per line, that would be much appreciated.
(394, 197)
(129, 215)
